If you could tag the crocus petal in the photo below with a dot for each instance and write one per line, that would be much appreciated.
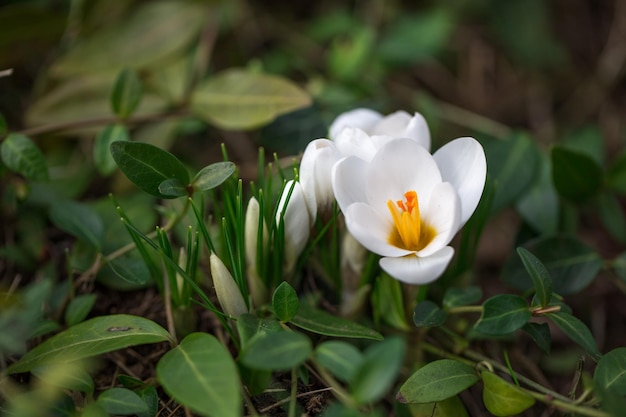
(392, 125)
(418, 130)
(363, 119)
(348, 181)
(315, 174)
(354, 141)
(296, 221)
(370, 230)
(413, 269)
(226, 289)
(462, 163)
(442, 212)
(400, 166)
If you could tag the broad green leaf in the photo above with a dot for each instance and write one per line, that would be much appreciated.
(201, 374)
(502, 398)
(457, 297)
(539, 275)
(285, 301)
(539, 206)
(616, 175)
(450, 407)
(126, 93)
(238, 99)
(101, 149)
(90, 338)
(512, 166)
(173, 188)
(571, 264)
(321, 322)
(340, 358)
(20, 154)
(152, 34)
(249, 325)
(437, 381)
(416, 37)
(147, 166)
(349, 55)
(576, 330)
(610, 373)
(587, 140)
(278, 351)
(79, 308)
(122, 401)
(503, 314)
(131, 269)
(428, 314)
(388, 303)
(577, 177)
(213, 175)
(79, 220)
(540, 333)
(378, 371)
(72, 376)
(93, 410)
(619, 266)
(612, 216)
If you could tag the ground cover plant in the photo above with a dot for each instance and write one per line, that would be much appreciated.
(252, 209)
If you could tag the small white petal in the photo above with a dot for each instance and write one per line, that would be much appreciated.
(413, 269)
(462, 163)
(348, 180)
(392, 125)
(296, 221)
(353, 141)
(315, 174)
(371, 231)
(362, 118)
(401, 165)
(418, 130)
(442, 212)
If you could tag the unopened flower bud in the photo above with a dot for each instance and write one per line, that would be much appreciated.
(226, 289)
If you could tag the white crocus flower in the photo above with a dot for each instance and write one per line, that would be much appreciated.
(294, 213)
(227, 291)
(253, 221)
(398, 125)
(406, 204)
(315, 168)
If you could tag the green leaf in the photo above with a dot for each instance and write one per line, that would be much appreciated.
(539, 275)
(502, 398)
(278, 351)
(72, 376)
(79, 220)
(577, 177)
(238, 99)
(348, 55)
(378, 371)
(122, 401)
(428, 314)
(201, 374)
(126, 93)
(512, 166)
(612, 216)
(503, 314)
(152, 34)
(147, 166)
(79, 308)
(131, 269)
(619, 266)
(457, 297)
(387, 302)
(321, 322)
(172, 188)
(571, 264)
(249, 325)
(437, 381)
(539, 206)
(213, 175)
(450, 407)
(20, 154)
(576, 330)
(285, 302)
(616, 175)
(610, 373)
(340, 358)
(101, 150)
(90, 338)
(540, 333)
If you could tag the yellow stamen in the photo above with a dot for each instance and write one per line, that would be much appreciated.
(409, 231)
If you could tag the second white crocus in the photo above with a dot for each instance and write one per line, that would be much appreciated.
(293, 212)
(406, 204)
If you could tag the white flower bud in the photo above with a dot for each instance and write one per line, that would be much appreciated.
(227, 291)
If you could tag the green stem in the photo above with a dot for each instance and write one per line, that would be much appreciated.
(339, 391)
(294, 392)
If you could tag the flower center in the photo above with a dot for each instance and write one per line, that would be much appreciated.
(409, 231)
